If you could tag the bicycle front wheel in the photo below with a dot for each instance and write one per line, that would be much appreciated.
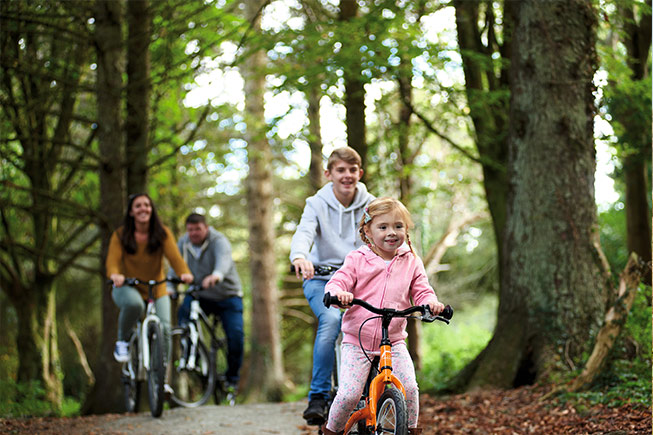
(156, 374)
(391, 415)
(131, 383)
(192, 376)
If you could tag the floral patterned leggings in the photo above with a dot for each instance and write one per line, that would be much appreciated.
(354, 368)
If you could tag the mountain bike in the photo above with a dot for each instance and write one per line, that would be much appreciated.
(382, 407)
(198, 372)
(335, 373)
(146, 356)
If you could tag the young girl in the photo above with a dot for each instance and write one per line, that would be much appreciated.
(385, 273)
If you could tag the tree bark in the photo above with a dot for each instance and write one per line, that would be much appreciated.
(637, 137)
(487, 90)
(354, 94)
(106, 394)
(316, 169)
(265, 379)
(137, 124)
(552, 292)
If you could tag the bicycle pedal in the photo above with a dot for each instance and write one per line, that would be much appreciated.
(315, 421)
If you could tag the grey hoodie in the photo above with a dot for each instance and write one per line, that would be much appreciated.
(214, 257)
(327, 230)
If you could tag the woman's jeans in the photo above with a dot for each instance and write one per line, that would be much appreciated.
(132, 308)
(230, 311)
(328, 328)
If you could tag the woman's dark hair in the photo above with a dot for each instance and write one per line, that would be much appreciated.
(156, 234)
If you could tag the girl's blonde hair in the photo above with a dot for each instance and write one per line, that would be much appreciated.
(382, 206)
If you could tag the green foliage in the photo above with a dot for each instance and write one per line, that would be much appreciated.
(23, 400)
(448, 348)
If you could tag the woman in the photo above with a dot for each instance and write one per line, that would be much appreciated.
(136, 250)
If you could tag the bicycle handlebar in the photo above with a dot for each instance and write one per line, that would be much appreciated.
(319, 270)
(151, 282)
(191, 290)
(445, 316)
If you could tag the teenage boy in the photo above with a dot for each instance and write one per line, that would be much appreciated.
(208, 254)
(327, 232)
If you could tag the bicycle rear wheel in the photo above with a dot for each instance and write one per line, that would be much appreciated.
(391, 415)
(192, 380)
(156, 373)
(131, 384)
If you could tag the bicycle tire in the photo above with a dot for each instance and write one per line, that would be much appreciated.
(192, 387)
(131, 383)
(221, 393)
(391, 414)
(156, 373)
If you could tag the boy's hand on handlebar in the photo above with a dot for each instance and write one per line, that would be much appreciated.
(344, 297)
(187, 278)
(303, 268)
(118, 279)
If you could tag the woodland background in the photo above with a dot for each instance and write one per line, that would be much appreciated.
(484, 117)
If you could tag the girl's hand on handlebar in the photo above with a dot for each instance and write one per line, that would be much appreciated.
(118, 279)
(187, 278)
(303, 268)
(435, 306)
(344, 297)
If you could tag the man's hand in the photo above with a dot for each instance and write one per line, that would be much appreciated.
(210, 281)
(186, 277)
(303, 268)
(118, 279)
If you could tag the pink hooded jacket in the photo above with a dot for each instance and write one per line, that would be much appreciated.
(392, 285)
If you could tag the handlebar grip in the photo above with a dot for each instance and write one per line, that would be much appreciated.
(330, 300)
(447, 313)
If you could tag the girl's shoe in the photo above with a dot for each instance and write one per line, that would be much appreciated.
(325, 431)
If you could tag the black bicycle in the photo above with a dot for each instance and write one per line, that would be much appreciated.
(198, 371)
(324, 271)
(146, 355)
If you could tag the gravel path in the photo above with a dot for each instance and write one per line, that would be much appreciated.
(247, 419)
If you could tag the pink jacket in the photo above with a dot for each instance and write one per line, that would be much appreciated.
(392, 285)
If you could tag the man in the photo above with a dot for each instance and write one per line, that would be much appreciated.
(327, 232)
(208, 255)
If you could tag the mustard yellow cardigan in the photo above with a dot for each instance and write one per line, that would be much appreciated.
(144, 265)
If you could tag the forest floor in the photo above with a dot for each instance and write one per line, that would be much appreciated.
(518, 411)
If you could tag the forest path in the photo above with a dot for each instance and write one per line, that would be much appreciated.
(493, 412)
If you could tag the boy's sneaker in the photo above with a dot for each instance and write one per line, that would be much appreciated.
(121, 351)
(315, 413)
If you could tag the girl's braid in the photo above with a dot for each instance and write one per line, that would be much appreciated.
(409, 244)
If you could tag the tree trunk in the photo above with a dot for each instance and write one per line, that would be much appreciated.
(637, 137)
(552, 294)
(354, 95)
(137, 124)
(316, 169)
(487, 90)
(265, 380)
(106, 394)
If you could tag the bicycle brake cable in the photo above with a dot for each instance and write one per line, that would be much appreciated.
(360, 342)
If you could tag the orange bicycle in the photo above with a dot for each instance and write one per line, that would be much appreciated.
(382, 408)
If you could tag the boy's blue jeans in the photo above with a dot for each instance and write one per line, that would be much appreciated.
(230, 311)
(328, 328)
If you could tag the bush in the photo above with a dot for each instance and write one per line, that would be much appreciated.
(448, 348)
(23, 399)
